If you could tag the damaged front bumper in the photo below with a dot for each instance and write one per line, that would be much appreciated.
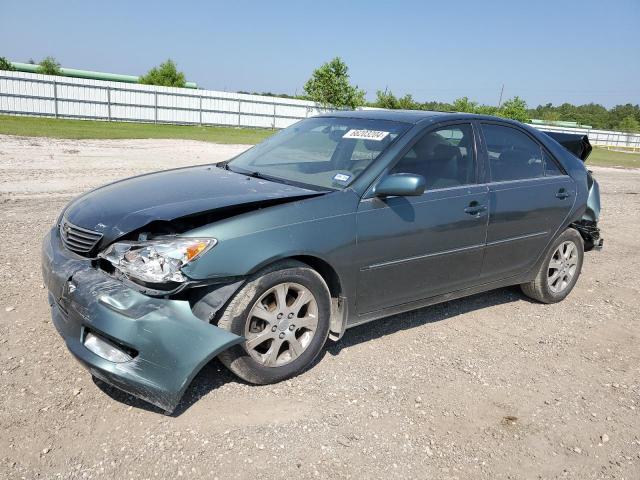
(167, 344)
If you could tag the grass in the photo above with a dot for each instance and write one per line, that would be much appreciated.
(90, 129)
(611, 158)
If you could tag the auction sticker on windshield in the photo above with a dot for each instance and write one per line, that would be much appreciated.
(376, 135)
(341, 177)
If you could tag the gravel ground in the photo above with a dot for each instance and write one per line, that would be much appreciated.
(492, 386)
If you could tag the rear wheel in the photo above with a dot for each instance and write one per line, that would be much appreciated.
(283, 313)
(560, 269)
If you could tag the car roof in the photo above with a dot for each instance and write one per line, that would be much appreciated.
(410, 116)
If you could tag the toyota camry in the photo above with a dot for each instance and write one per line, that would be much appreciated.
(338, 220)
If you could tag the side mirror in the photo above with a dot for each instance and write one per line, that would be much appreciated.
(400, 185)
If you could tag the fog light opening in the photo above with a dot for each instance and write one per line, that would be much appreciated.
(106, 349)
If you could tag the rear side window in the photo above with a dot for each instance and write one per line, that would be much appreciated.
(512, 154)
(551, 168)
(444, 157)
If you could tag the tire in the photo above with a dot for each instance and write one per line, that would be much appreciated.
(281, 341)
(558, 273)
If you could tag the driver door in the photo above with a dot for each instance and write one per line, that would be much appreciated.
(411, 248)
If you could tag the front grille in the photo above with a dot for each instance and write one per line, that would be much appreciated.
(76, 239)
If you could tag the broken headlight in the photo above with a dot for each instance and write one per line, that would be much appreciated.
(158, 260)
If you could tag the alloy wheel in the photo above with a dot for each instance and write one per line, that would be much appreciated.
(281, 324)
(562, 266)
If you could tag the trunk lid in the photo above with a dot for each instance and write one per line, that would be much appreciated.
(578, 144)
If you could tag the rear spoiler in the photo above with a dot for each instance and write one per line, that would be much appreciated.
(576, 143)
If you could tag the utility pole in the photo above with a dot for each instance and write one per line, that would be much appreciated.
(501, 92)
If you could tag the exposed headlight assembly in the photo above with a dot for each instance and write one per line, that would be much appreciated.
(158, 260)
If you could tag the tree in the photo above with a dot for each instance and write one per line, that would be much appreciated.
(166, 75)
(329, 85)
(464, 105)
(49, 66)
(621, 117)
(629, 124)
(590, 114)
(486, 110)
(385, 99)
(514, 108)
(437, 106)
(550, 116)
(408, 103)
(620, 112)
(6, 64)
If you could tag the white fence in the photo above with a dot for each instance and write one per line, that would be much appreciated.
(52, 96)
(601, 138)
(64, 97)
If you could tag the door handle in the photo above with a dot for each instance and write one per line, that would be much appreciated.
(562, 194)
(475, 208)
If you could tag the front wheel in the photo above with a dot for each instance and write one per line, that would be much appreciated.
(283, 313)
(559, 271)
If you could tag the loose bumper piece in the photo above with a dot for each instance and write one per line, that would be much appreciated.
(156, 345)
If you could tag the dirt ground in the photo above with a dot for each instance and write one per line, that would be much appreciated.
(492, 386)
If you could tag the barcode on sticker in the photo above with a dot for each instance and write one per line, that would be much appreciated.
(376, 135)
(341, 177)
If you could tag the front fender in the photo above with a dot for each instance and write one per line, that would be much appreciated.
(322, 227)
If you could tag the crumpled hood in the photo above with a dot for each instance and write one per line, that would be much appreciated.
(121, 207)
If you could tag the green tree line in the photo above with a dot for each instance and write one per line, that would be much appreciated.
(625, 118)
(515, 108)
(330, 86)
(621, 117)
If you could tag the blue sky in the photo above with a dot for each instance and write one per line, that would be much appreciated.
(544, 51)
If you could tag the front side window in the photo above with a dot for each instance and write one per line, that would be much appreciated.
(322, 152)
(513, 155)
(444, 157)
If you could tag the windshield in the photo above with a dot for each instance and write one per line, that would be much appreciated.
(323, 152)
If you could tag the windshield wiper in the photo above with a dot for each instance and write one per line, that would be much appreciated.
(262, 176)
(256, 174)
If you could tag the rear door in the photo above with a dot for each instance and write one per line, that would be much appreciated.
(529, 198)
(410, 248)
